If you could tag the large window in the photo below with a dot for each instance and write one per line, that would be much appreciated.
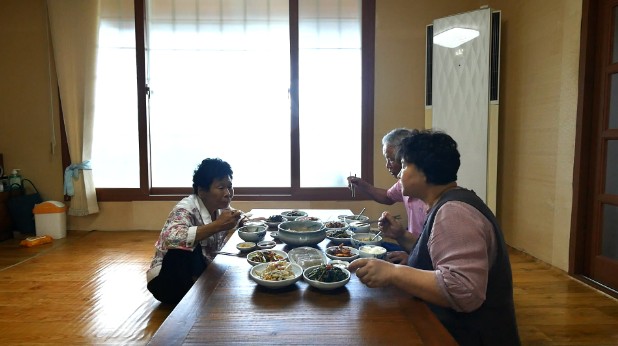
(282, 90)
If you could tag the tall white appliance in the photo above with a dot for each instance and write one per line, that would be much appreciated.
(462, 98)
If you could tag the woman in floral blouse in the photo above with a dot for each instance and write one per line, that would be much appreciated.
(195, 229)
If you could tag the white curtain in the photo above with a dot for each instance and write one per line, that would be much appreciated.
(74, 31)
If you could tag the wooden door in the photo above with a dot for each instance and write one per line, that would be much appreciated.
(602, 235)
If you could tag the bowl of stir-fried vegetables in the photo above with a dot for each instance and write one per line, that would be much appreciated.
(339, 236)
(276, 274)
(341, 252)
(326, 276)
(265, 256)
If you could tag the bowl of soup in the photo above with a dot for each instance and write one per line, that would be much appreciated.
(301, 233)
(360, 239)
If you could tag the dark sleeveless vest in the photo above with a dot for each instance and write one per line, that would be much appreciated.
(493, 323)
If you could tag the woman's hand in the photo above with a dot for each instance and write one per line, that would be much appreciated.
(397, 257)
(355, 182)
(228, 219)
(372, 272)
(246, 219)
(390, 226)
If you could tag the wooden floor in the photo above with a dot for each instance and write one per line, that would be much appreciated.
(90, 289)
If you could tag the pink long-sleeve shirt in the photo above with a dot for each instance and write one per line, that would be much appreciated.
(462, 247)
(416, 209)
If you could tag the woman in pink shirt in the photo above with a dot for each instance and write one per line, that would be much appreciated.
(459, 265)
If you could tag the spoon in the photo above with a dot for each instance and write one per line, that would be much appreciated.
(375, 236)
(357, 217)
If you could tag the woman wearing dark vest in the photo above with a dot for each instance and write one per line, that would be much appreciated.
(460, 264)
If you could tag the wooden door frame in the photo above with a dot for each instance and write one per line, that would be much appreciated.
(586, 127)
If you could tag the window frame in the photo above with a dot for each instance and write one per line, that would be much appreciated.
(145, 192)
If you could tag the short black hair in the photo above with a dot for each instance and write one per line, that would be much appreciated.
(434, 153)
(209, 170)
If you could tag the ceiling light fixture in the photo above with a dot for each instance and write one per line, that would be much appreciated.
(455, 37)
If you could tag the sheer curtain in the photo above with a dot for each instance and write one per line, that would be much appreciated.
(219, 75)
(74, 26)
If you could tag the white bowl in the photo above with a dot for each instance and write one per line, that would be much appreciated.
(301, 233)
(325, 285)
(253, 233)
(351, 218)
(267, 255)
(360, 239)
(372, 251)
(359, 227)
(256, 275)
(245, 246)
(333, 250)
(291, 215)
(339, 240)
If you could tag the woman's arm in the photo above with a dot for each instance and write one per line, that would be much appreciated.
(390, 227)
(377, 194)
(228, 219)
(419, 283)
(462, 247)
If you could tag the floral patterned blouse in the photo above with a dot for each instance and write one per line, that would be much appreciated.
(179, 233)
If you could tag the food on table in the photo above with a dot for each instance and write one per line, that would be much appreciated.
(341, 251)
(303, 229)
(338, 234)
(334, 224)
(265, 256)
(308, 218)
(327, 273)
(251, 230)
(295, 213)
(246, 245)
(277, 271)
(307, 257)
(374, 250)
(275, 218)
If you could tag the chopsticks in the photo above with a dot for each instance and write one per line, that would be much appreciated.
(396, 217)
(352, 187)
(229, 253)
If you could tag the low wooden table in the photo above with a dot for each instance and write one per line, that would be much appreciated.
(226, 307)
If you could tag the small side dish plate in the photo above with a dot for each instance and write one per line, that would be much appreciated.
(265, 256)
(335, 237)
(291, 215)
(339, 252)
(266, 244)
(246, 246)
(274, 220)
